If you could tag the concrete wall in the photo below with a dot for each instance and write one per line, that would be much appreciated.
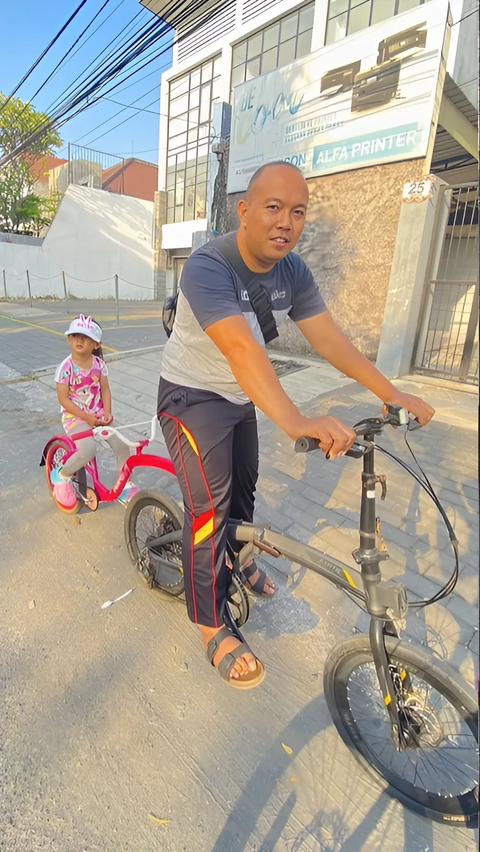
(94, 236)
(348, 243)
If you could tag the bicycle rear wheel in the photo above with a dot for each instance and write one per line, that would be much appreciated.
(437, 776)
(54, 458)
(150, 515)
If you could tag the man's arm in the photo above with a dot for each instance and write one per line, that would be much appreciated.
(325, 337)
(254, 373)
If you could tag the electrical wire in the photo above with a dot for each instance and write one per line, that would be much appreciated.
(148, 37)
(62, 60)
(43, 54)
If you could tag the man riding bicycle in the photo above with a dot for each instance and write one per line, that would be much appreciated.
(215, 370)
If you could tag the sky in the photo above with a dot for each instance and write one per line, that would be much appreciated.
(26, 29)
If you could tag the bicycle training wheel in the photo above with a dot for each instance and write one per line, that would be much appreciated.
(437, 776)
(54, 458)
(150, 515)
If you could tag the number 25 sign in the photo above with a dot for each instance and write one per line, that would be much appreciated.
(417, 190)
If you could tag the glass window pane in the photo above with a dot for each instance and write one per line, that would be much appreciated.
(193, 118)
(207, 72)
(200, 201)
(179, 188)
(217, 66)
(336, 29)
(239, 54)
(203, 151)
(176, 142)
(177, 125)
(195, 78)
(238, 76)
(253, 68)
(205, 100)
(192, 135)
(179, 105)
(179, 87)
(286, 52)
(382, 9)
(216, 89)
(337, 7)
(254, 46)
(288, 27)
(305, 18)
(178, 214)
(204, 131)
(194, 98)
(189, 204)
(269, 60)
(170, 178)
(359, 18)
(170, 215)
(271, 37)
(405, 5)
(190, 175)
(304, 43)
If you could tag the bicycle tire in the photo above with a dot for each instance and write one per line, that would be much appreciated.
(50, 463)
(135, 545)
(344, 660)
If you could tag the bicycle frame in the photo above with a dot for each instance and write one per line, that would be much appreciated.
(139, 459)
(385, 601)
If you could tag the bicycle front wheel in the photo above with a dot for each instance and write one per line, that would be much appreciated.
(437, 775)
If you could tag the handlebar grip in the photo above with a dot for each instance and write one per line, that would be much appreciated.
(306, 445)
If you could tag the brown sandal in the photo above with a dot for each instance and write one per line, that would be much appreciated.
(224, 667)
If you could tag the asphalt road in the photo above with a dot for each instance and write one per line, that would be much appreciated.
(32, 339)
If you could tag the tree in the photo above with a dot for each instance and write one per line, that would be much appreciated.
(18, 121)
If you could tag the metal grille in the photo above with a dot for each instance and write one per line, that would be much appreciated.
(448, 341)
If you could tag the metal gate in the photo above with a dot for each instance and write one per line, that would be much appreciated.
(448, 339)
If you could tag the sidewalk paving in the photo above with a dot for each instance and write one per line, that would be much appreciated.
(113, 715)
(317, 501)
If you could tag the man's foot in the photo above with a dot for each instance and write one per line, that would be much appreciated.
(222, 646)
(256, 578)
(63, 490)
(128, 492)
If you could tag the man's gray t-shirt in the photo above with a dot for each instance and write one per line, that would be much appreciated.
(210, 291)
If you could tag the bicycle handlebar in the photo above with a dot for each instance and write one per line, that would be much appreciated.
(395, 417)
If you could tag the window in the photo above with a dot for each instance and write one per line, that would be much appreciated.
(346, 17)
(276, 45)
(191, 99)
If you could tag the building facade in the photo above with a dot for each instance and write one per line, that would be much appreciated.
(226, 44)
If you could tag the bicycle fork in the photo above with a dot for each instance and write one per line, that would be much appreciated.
(386, 601)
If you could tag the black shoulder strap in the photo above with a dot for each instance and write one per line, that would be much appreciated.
(256, 292)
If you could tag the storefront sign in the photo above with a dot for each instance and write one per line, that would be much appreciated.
(367, 99)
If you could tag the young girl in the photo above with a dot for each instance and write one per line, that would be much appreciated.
(85, 399)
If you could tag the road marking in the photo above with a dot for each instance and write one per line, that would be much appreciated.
(42, 328)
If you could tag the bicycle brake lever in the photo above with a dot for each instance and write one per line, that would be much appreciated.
(413, 425)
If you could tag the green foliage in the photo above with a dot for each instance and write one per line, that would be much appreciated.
(20, 209)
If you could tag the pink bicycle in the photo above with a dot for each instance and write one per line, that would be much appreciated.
(86, 482)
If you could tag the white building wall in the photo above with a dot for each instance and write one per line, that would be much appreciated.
(461, 64)
(94, 236)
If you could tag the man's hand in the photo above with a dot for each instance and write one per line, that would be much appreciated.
(422, 411)
(335, 438)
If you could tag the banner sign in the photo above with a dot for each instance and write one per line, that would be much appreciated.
(367, 99)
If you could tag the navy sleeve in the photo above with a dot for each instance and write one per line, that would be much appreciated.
(307, 299)
(209, 287)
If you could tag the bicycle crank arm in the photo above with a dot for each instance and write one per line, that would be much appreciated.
(169, 538)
